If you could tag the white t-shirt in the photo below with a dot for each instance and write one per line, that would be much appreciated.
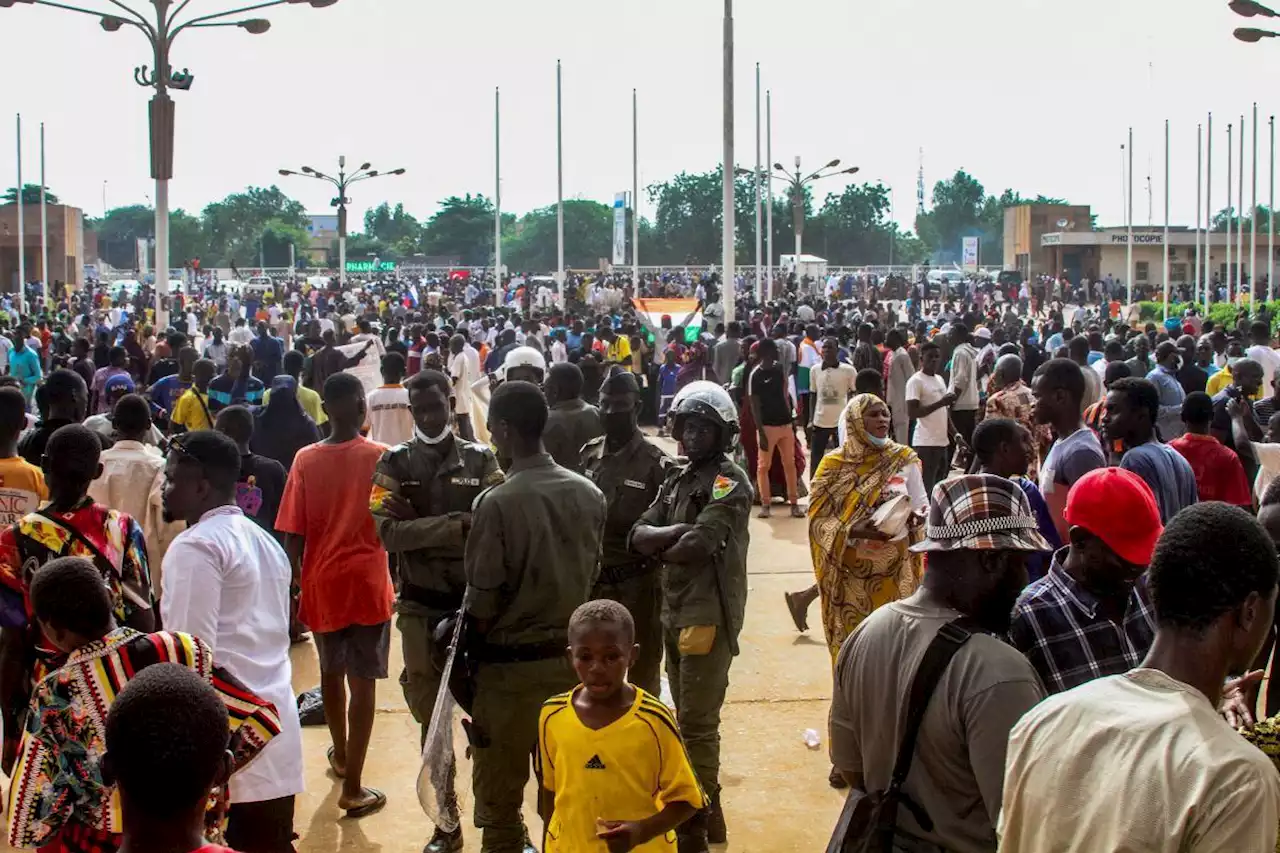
(931, 430)
(463, 375)
(227, 582)
(387, 415)
(832, 387)
(1138, 761)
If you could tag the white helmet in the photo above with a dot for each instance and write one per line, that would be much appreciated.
(524, 357)
(708, 400)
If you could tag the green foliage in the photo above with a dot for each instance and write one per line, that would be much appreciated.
(1223, 314)
(463, 228)
(395, 227)
(961, 208)
(588, 237)
(30, 195)
(236, 228)
(1221, 218)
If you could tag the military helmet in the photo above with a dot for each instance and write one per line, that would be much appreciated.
(708, 400)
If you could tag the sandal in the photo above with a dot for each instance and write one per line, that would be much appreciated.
(333, 765)
(374, 805)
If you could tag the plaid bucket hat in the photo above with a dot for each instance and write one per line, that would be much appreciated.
(981, 512)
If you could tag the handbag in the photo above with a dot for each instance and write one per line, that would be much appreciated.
(869, 821)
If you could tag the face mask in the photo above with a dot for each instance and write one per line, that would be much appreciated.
(429, 439)
(618, 424)
(877, 442)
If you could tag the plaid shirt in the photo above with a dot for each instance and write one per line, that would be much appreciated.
(1056, 624)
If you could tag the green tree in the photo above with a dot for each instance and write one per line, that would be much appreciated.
(237, 227)
(186, 238)
(463, 228)
(588, 237)
(118, 232)
(958, 207)
(688, 220)
(395, 227)
(30, 195)
(854, 226)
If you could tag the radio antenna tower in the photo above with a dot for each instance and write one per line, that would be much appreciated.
(920, 185)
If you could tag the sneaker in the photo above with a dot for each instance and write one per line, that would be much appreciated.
(797, 512)
(764, 511)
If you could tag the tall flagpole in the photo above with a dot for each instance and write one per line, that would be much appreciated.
(560, 279)
(1165, 241)
(1128, 270)
(635, 193)
(1230, 282)
(22, 232)
(497, 196)
(1240, 225)
(1271, 219)
(727, 230)
(768, 210)
(756, 180)
(1208, 216)
(1195, 274)
(44, 228)
(1253, 229)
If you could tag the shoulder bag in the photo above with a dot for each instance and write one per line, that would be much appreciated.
(868, 821)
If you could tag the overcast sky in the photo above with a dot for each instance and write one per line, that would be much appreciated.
(1028, 94)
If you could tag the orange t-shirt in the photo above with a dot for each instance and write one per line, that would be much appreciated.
(345, 580)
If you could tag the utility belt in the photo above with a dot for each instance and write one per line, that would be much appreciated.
(429, 598)
(627, 571)
(518, 653)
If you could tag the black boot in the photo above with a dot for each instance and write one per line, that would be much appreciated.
(691, 837)
(716, 832)
(444, 842)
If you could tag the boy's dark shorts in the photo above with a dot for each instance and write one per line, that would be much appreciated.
(359, 650)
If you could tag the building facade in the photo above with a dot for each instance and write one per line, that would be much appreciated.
(66, 245)
(1026, 224)
(1097, 254)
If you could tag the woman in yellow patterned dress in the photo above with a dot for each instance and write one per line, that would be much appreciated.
(859, 568)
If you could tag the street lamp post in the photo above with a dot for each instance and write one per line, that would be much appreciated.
(798, 181)
(161, 77)
(341, 183)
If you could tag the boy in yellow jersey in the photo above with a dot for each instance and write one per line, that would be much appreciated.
(602, 745)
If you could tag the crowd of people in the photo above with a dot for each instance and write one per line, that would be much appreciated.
(1041, 537)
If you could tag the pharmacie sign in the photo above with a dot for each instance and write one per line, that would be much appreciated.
(370, 266)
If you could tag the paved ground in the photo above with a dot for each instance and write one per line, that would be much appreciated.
(775, 789)
(776, 794)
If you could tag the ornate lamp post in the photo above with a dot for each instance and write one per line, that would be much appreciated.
(798, 181)
(341, 183)
(160, 31)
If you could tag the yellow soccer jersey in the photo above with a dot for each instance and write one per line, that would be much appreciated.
(629, 770)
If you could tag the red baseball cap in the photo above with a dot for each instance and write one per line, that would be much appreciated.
(1119, 508)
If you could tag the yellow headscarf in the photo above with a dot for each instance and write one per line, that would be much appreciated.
(848, 483)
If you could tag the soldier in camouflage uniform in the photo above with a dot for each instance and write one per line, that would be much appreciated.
(421, 502)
